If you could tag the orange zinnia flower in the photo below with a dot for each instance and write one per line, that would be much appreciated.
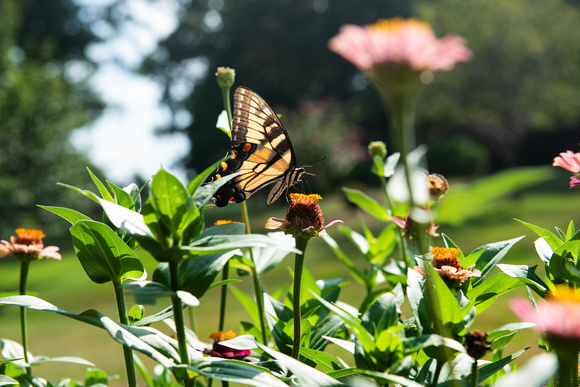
(28, 246)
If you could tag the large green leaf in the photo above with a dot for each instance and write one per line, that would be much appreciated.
(70, 215)
(385, 312)
(493, 254)
(171, 202)
(366, 203)
(236, 372)
(103, 255)
(211, 244)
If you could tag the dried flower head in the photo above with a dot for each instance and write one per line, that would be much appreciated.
(220, 350)
(411, 228)
(28, 246)
(446, 262)
(225, 77)
(476, 344)
(303, 217)
(571, 162)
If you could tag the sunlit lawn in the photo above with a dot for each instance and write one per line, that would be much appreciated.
(66, 285)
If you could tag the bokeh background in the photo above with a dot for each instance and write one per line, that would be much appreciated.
(126, 86)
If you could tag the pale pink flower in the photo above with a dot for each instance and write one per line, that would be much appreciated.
(446, 262)
(558, 318)
(28, 246)
(399, 42)
(571, 162)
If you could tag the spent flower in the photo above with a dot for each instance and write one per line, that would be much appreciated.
(303, 217)
(571, 162)
(28, 246)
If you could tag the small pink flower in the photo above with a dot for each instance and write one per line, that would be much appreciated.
(558, 318)
(570, 161)
(28, 246)
(219, 350)
(446, 262)
(399, 42)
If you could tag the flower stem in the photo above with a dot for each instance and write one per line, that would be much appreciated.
(474, 373)
(127, 352)
(301, 243)
(178, 316)
(259, 293)
(227, 104)
(224, 296)
(24, 266)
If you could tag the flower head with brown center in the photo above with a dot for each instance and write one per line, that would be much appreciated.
(446, 262)
(303, 217)
(476, 344)
(220, 350)
(571, 162)
(28, 246)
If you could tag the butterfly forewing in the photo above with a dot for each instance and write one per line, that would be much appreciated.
(261, 150)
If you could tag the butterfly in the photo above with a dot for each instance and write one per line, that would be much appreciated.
(261, 151)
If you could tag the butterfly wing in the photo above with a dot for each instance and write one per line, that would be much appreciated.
(261, 151)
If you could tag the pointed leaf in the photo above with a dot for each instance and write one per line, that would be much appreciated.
(70, 215)
(103, 255)
(366, 203)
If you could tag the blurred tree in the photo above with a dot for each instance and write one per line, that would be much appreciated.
(278, 48)
(524, 75)
(42, 100)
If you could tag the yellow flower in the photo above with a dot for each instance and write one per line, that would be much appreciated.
(28, 246)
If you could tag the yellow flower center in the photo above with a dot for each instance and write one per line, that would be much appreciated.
(29, 237)
(305, 199)
(396, 23)
(444, 256)
(565, 294)
(222, 336)
(220, 222)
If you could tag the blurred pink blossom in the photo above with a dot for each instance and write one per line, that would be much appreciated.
(557, 317)
(399, 42)
(571, 162)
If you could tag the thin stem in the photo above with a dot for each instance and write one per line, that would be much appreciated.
(474, 373)
(301, 244)
(259, 293)
(178, 316)
(224, 296)
(192, 323)
(227, 104)
(127, 352)
(24, 266)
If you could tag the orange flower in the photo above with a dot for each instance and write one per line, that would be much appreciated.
(303, 216)
(28, 246)
(446, 262)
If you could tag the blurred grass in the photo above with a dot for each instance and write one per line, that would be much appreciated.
(65, 284)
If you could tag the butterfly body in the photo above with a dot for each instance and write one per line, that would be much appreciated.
(261, 151)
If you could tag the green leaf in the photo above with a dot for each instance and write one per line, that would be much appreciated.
(37, 360)
(95, 376)
(535, 373)
(126, 220)
(105, 194)
(388, 378)
(7, 381)
(324, 360)
(201, 178)
(528, 276)
(236, 372)
(91, 195)
(122, 197)
(211, 244)
(147, 292)
(135, 314)
(552, 239)
(485, 294)
(489, 369)
(103, 255)
(385, 312)
(248, 303)
(357, 274)
(366, 203)
(324, 329)
(171, 202)
(494, 253)
(72, 216)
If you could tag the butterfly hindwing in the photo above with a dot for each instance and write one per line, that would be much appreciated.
(261, 151)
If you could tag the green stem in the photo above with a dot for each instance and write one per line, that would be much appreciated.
(127, 352)
(178, 316)
(192, 323)
(24, 266)
(301, 244)
(259, 293)
(567, 374)
(224, 296)
(474, 373)
(227, 104)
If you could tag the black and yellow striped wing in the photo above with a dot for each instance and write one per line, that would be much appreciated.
(261, 151)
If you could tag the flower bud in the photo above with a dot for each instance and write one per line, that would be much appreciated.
(225, 77)
(377, 148)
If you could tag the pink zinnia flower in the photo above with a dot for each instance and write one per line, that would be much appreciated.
(28, 246)
(219, 350)
(558, 318)
(399, 42)
(571, 162)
